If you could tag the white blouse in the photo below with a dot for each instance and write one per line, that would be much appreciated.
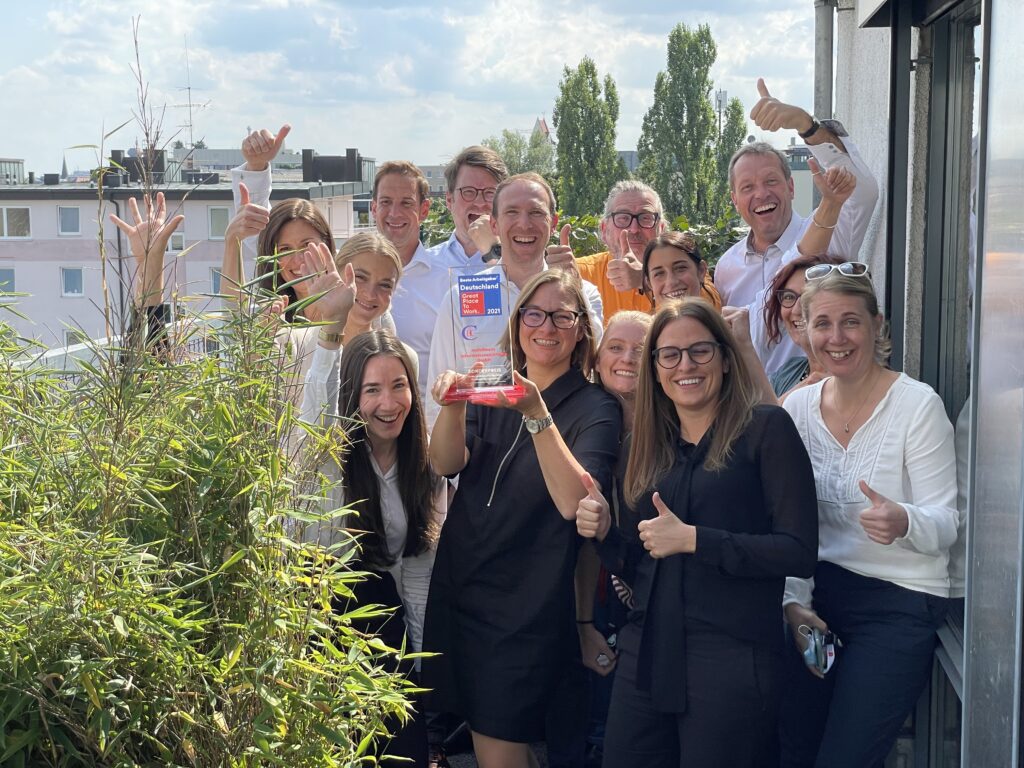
(411, 574)
(905, 452)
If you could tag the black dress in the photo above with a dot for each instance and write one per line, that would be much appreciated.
(501, 605)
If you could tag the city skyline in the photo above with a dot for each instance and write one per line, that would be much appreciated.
(395, 80)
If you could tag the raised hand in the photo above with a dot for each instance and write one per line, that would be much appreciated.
(835, 184)
(561, 255)
(666, 534)
(593, 516)
(885, 520)
(625, 272)
(335, 295)
(148, 238)
(260, 147)
(249, 221)
(738, 320)
(770, 114)
(481, 235)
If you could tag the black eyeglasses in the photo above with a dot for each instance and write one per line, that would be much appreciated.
(701, 353)
(534, 317)
(848, 268)
(624, 219)
(786, 297)
(469, 194)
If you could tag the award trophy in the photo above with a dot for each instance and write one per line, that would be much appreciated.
(481, 314)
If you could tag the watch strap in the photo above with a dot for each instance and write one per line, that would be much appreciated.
(533, 426)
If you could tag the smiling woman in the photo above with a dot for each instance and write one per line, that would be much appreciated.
(673, 267)
(884, 464)
(725, 495)
(500, 610)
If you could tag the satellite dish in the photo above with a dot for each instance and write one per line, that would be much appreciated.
(750, 139)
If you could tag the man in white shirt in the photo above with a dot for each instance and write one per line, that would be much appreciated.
(400, 203)
(523, 219)
(472, 177)
(762, 191)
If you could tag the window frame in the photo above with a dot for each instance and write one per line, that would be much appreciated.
(5, 227)
(63, 283)
(209, 221)
(60, 222)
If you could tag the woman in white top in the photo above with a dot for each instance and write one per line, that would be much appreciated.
(882, 451)
(397, 501)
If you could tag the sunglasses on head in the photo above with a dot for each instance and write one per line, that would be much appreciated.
(848, 268)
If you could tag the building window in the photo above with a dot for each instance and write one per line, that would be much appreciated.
(15, 223)
(215, 281)
(430, 174)
(71, 281)
(74, 336)
(177, 243)
(68, 220)
(218, 218)
(6, 280)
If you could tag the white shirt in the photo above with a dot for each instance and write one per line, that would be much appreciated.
(452, 252)
(414, 304)
(411, 574)
(446, 349)
(741, 271)
(904, 451)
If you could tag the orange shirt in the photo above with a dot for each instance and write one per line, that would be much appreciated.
(594, 269)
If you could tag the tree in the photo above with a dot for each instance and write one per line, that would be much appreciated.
(521, 154)
(680, 152)
(585, 115)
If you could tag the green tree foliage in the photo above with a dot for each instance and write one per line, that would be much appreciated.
(679, 150)
(585, 115)
(522, 153)
(155, 606)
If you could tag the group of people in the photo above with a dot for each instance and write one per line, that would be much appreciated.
(711, 490)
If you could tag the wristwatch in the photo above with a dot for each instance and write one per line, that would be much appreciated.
(533, 426)
(493, 255)
(815, 125)
(330, 338)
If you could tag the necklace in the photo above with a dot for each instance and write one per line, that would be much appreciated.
(852, 416)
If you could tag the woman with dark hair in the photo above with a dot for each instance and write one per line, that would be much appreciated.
(884, 464)
(783, 314)
(725, 495)
(397, 501)
(500, 611)
(673, 267)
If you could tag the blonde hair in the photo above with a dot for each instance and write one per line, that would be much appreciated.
(584, 354)
(622, 316)
(369, 242)
(656, 423)
(837, 282)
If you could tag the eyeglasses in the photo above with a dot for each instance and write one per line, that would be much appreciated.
(470, 194)
(701, 353)
(786, 297)
(848, 268)
(534, 317)
(625, 219)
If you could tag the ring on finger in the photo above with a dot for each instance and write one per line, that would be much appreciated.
(603, 660)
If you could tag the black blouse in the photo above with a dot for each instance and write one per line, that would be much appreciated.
(757, 523)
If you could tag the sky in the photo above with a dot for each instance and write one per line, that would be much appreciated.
(396, 80)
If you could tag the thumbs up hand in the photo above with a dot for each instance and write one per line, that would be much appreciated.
(666, 534)
(561, 255)
(770, 114)
(249, 221)
(593, 518)
(885, 520)
(625, 272)
(260, 147)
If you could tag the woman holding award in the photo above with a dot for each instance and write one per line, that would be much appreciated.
(500, 610)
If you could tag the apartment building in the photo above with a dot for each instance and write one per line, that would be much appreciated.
(50, 239)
